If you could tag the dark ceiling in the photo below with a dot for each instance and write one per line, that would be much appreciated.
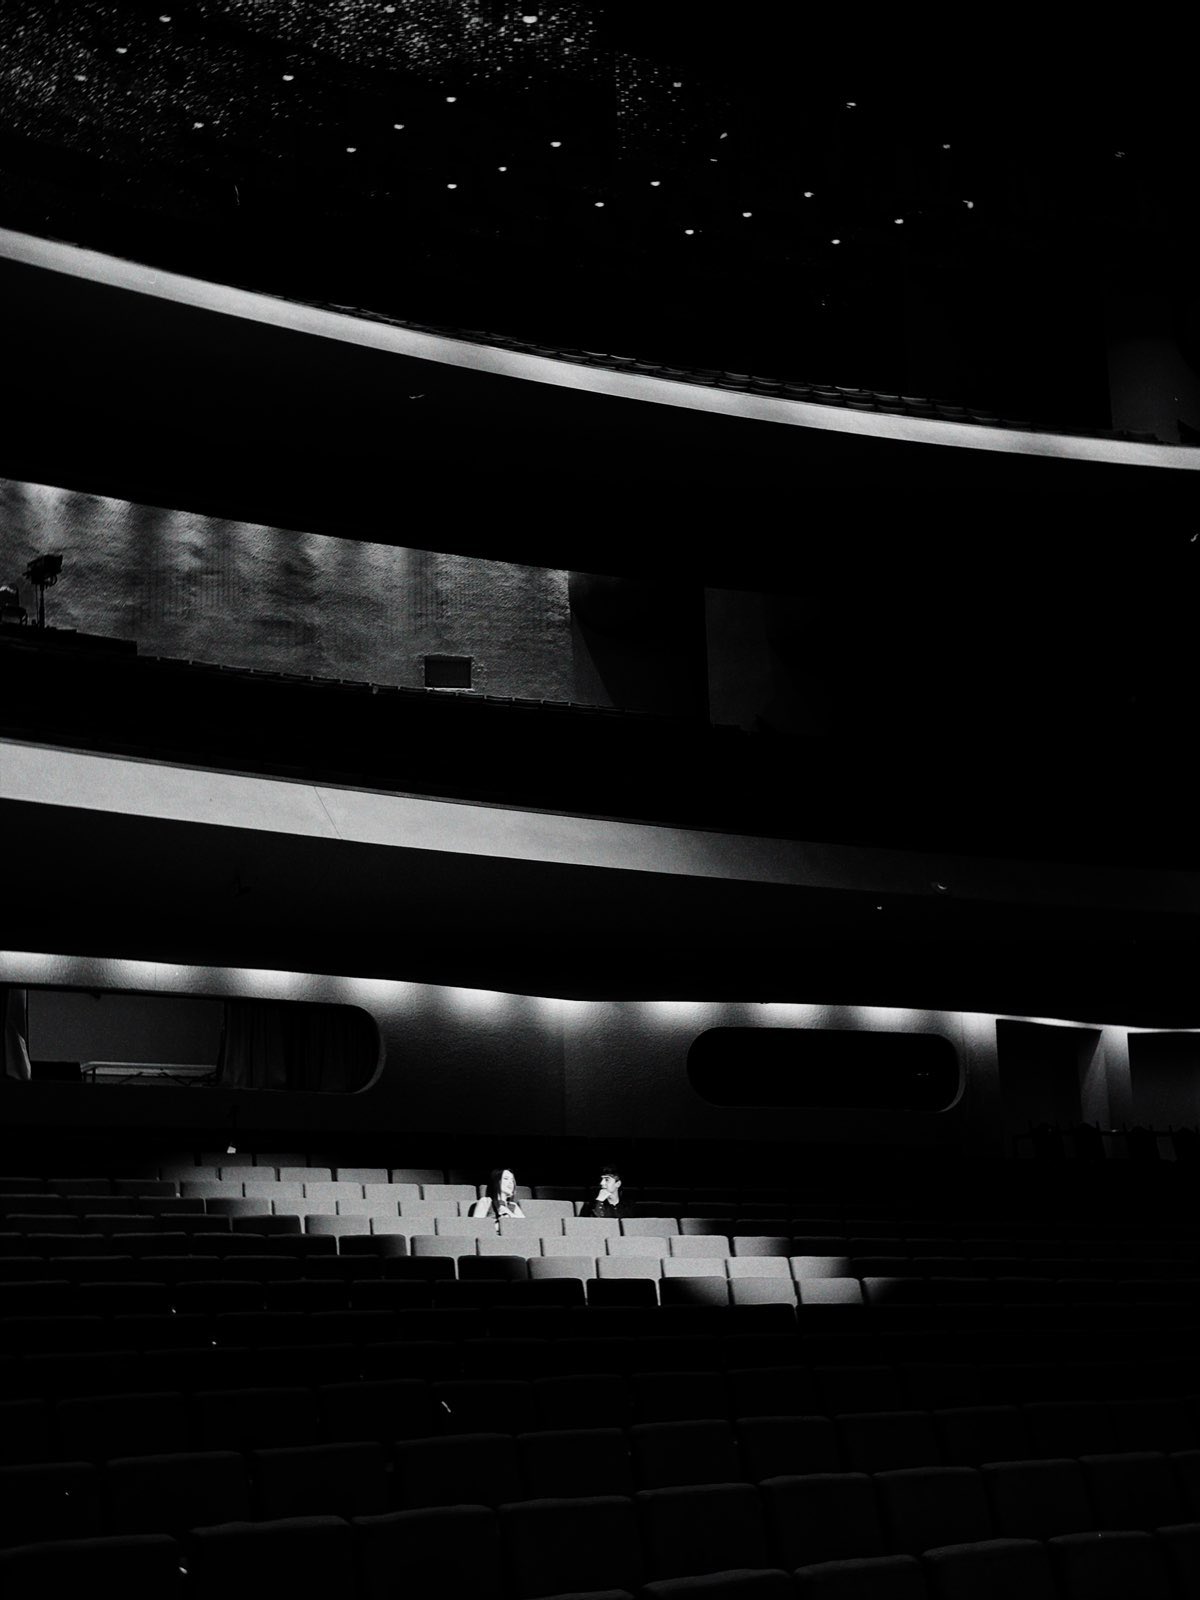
(685, 181)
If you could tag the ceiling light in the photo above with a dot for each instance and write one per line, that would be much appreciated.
(122, 50)
(501, 169)
(689, 230)
(556, 144)
(970, 204)
(850, 104)
(164, 18)
(197, 124)
(532, 17)
(655, 183)
(945, 147)
(600, 205)
(677, 86)
(808, 194)
(724, 136)
(747, 213)
(81, 77)
(835, 241)
(350, 149)
(452, 186)
(397, 126)
(450, 99)
(289, 77)
(899, 221)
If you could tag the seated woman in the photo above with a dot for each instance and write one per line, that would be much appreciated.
(608, 1197)
(500, 1199)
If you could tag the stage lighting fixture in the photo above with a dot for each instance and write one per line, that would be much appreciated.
(43, 573)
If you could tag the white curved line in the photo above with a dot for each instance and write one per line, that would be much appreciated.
(250, 305)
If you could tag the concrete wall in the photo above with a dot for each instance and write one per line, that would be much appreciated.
(242, 595)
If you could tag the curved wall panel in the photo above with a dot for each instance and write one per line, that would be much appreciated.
(481, 1062)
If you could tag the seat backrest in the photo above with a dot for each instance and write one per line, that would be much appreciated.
(562, 1546)
(699, 1529)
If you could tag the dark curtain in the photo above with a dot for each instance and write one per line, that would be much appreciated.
(12, 1020)
(270, 1044)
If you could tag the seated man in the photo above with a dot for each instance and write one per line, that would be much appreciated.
(608, 1197)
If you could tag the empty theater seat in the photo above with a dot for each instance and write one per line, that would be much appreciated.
(468, 1469)
(927, 1506)
(578, 1461)
(866, 1578)
(670, 1454)
(298, 1555)
(564, 1546)
(447, 1552)
(991, 1569)
(137, 1567)
(783, 1446)
(344, 1480)
(1109, 1566)
(172, 1493)
(825, 1516)
(710, 1528)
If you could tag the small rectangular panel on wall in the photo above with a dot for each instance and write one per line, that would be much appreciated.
(1164, 1074)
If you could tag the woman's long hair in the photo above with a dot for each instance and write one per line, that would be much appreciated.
(493, 1189)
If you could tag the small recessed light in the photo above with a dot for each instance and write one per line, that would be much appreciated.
(656, 183)
(689, 230)
(398, 126)
(835, 241)
(747, 213)
(452, 186)
(599, 205)
(713, 159)
(350, 149)
(945, 147)
(556, 144)
(678, 84)
(289, 77)
(531, 17)
(450, 99)
(808, 194)
(122, 50)
(724, 136)
(850, 104)
(197, 124)
(501, 169)
(164, 18)
(899, 221)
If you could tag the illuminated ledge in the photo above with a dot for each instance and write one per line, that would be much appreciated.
(327, 814)
(74, 261)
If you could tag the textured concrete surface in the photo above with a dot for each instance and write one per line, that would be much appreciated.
(243, 595)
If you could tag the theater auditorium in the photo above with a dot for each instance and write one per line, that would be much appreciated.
(600, 874)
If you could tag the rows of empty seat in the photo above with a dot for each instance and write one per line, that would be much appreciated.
(724, 1427)
(896, 1536)
(251, 1360)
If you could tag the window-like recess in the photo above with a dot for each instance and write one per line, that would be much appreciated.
(824, 1068)
(117, 1037)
